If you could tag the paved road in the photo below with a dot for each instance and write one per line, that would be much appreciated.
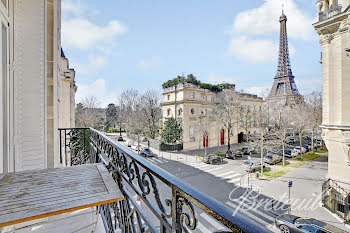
(223, 183)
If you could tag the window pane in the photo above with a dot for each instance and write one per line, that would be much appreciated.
(4, 94)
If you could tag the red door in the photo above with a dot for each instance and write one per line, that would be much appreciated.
(205, 140)
(222, 137)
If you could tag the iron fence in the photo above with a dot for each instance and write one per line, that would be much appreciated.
(145, 208)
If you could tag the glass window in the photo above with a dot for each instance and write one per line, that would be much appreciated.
(168, 97)
(192, 110)
(308, 228)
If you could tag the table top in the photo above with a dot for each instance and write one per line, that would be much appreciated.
(30, 195)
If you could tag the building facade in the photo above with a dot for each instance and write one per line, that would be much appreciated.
(35, 85)
(193, 105)
(284, 91)
(333, 26)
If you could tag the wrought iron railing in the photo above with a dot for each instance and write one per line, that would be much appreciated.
(336, 199)
(154, 200)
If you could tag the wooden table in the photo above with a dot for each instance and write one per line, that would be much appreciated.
(30, 195)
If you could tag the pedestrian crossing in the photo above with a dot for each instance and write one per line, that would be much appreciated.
(232, 177)
(157, 160)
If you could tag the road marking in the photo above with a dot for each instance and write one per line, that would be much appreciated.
(257, 219)
(212, 221)
(202, 228)
(226, 173)
(234, 180)
(213, 169)
(201, 165)
(260, 213)
(232, 176)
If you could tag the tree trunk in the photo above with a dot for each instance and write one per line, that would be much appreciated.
(312, 142)
(300, 144)
(120, 129)
(284, 157)
(228, 138)
(262, 154)
(138, 143)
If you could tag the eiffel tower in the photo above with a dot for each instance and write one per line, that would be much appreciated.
(284, 91)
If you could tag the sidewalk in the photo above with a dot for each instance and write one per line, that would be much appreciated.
(305, 192)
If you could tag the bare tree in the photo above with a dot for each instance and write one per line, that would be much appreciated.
(266, 138)
(314, 100)
(227, 109)
(88, 114)
(300, 119)
(246, 116)
(151, 111)
(130, 104)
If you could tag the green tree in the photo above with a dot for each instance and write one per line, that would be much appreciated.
(172, 131)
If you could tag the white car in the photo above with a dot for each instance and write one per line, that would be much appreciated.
(129, 143)
(294, 153)
(135, 147)
(297, 149)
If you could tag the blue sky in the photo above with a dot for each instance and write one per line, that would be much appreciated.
(141, 44)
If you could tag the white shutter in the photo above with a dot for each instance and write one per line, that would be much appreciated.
(29, 84)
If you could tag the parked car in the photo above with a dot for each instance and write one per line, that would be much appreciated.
(307, 148)
(144, 139)
(120, 139)
(318, 142)
(297, 148)
(252, 166)
(288, 153)
(212, 159)
(248, 151)
(136, 147)
(230, 155)
(288, 223)
(129, 143)
(272, 158)
(295, 153)
(310, 146)
(290, 140)
(238, 153)
(146, 152)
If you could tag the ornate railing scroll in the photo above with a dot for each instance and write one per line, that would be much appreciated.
(147, 206)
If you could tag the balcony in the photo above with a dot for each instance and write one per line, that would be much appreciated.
(153, 199)
(329, 13)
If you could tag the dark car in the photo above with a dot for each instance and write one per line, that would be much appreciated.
(230, 155)
(288, 153)
(211, 159)
(146, 152)
(238, 153)
(120, 139)
(247, 151)
(288, 223)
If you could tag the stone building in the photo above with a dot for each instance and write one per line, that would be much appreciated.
(193, 105)
(66, 94)
(333, 26)
(37, 87)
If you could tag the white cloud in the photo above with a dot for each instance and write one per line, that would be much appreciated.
(261, 91)
(151, 63)
(82, 34)
(216, 78)
(253, 51)
(97, 89)
(72, 7)
(95, 63)
(264, 20)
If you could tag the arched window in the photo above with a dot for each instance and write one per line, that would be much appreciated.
(168, 111)
(192, 110)
(180, 112)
